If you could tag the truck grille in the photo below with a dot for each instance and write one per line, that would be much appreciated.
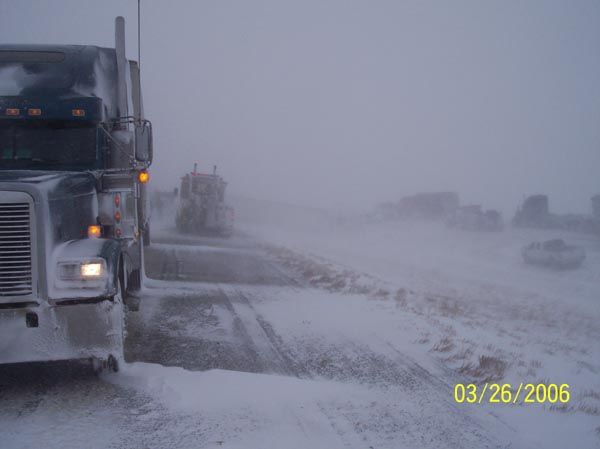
(15, 249)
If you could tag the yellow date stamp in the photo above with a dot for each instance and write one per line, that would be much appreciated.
(524, 393)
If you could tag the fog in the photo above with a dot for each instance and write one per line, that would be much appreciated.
(345, 104)
(321, 302)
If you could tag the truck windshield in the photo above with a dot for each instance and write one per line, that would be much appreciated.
(47, 146)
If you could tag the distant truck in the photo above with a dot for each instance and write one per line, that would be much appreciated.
(74, 153)
(428, 205)
(473, 218)
(201, 205)
(535, 213)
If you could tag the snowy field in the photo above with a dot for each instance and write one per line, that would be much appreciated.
(467, 301)
(303, 331)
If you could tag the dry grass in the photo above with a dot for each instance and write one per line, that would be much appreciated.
(561, 408)
(583, 408)
(589, 409)
(444, 345)
(593, 394)
(589, 402)
(488, 368)
(531, 367)
(321, 274)
(450, 309)
(401, 297)
(460, 356)
(380, 294)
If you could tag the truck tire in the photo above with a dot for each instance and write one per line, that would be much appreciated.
(134, 281)
(146, 235)
(119, 300)
(111, 362)
(134, 285)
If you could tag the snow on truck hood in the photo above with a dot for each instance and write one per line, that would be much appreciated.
(55, 185)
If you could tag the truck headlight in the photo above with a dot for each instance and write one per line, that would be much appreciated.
(82, 270)
(91, 270)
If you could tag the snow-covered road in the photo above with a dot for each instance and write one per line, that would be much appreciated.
(242, 353)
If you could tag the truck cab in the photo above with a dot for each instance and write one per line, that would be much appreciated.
(74, 153)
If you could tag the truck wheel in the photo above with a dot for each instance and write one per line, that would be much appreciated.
(134, 281)
(134, 285)
(112, 364)
(97, 365)
(146, 235)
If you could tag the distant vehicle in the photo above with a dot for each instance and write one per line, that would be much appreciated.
(201, 205)
(553, 253)
(434, 205)
(473, 218)
(534, 213)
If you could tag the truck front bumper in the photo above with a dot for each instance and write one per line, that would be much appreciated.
(63, 332)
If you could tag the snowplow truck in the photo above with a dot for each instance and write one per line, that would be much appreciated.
(201, 207)
(74, 154)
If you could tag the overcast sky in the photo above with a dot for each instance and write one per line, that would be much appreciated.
(348, 103)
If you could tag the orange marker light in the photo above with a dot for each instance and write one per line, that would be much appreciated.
(94, 231)
(78, 112)
(12, 111)
(34, 111)
(143, 177)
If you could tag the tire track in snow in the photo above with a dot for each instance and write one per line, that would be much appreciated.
(270, 344)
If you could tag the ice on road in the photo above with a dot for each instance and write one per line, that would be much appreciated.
(253, 353)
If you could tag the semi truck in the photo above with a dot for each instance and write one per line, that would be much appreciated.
(474, 218)
(201, 204)
(75, 150)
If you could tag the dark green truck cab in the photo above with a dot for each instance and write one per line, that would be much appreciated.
(74, 152)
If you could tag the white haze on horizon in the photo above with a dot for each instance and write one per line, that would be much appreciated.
(350, 103)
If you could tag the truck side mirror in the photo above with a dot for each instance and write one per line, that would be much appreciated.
(143, 142)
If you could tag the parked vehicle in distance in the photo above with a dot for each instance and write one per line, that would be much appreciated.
(201, 207)
(473, 218)
(553, 253)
